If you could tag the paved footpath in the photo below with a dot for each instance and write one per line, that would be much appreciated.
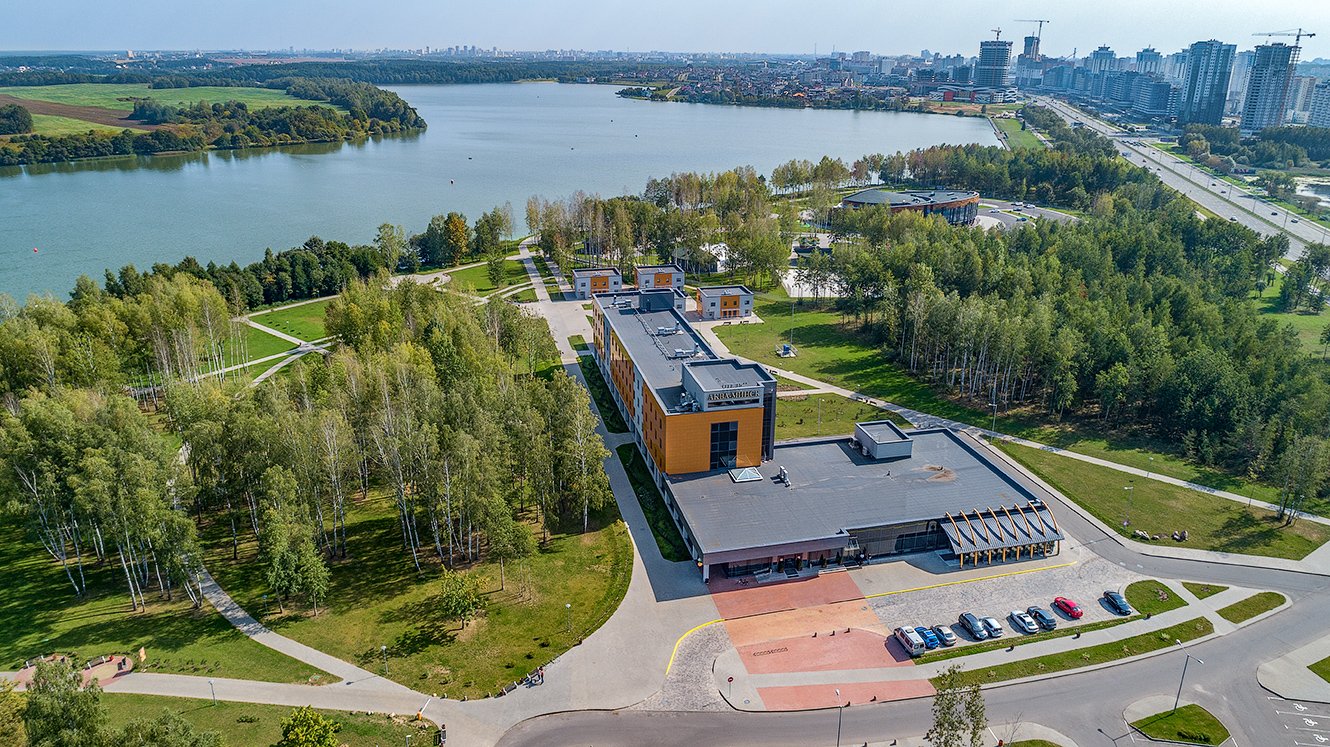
(1289, 678)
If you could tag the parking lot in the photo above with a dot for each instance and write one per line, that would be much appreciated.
(1084, 582)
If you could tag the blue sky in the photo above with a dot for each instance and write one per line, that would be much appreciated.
(881, 26)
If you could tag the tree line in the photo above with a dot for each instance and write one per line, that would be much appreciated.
(229, 125)
(1224, 148)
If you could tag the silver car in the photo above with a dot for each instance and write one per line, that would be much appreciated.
(992, 627)
(1023, 622)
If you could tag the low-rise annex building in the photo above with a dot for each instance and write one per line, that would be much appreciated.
(724, 302)
(743, 503)
(588, 281)
(651, 277)
(957, 208)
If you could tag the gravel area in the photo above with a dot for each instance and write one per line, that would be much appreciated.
(1083, 582)
(690, 687)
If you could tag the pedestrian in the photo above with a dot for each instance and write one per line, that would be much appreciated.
(541, 672)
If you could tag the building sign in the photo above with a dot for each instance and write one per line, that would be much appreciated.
(732, 396)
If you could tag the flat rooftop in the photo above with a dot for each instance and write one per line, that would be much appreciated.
(655, 354)
(834, 488)
(659, 268)
(907, 199)
(883, 431)
(724, 290)
(727, 373)
(592, 271)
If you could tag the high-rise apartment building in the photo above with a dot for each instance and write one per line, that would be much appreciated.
(1102, 60)
(1149, 62)
(1319, 111)
(1299, 99)
(994, 68)
(1031, 50)
(1205, 83)
(1268, 87)
(1175, 66)
(1237, 82)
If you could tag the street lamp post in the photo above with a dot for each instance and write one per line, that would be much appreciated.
(384, 649)
(840, 711)
(1128, 488)
(213, 689)
(1182, 679)
(568, 606)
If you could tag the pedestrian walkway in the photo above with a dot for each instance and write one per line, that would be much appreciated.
(1289, 676)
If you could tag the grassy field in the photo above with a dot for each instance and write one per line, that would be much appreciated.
(477, 281)
(115, 96)
(304, 321)
(246, 724)
(653, 506)
(824, 415)
(833, 352)
(1190, 723)
(1307, 324)
(994, 644)
(1151, 597)
(578, 343)
(1085, 657)
(600, 392)
(1203, 590)
(526, 295)
(40, 615)
(49, 124)
(378, 599)
(258, 344)
(1212, 523)
(1017, 138)
(1251, 607)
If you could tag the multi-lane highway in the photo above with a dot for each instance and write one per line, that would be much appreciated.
(1220, 197)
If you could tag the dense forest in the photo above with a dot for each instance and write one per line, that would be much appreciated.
(14, 120)
(368, 111)
(1224, 148)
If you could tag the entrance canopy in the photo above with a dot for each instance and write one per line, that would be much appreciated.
(1001, 528)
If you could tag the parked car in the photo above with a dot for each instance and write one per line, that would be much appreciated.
(1295, 220)
(1117, 603)
(993, 627)
(930, 638)
(1042, 618)
(911, 641)
(972, 626)
(944, 635)
(1022, 622)
(1068, 607)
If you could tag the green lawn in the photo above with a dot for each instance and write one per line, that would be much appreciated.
(1085, 657)
(304, 321)
(1322, 669)
(825, 415)
(1151, 597)
(258, 344)
(1251, 607)
(1203, 590)
(53, 126)
(653, 506)
(1033, 743)
(1212, 523)
(1066, 629)
(526, 295)
(476, 279)
(115, 96)
(578, 343)
(1017, 138)
(377, 598)
(246, 724)
(833, 352)
(1307, 324)
(600, 392)
(1190, 723)
(39, 614)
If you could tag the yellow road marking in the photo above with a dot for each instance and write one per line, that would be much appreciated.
(691, 631)
(969, 580)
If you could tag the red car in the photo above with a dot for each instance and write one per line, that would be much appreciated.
(1068, 607)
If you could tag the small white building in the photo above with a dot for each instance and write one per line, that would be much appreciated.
(724, 302)
(588, 281)
(652, 277)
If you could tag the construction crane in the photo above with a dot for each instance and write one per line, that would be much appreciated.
(1297, 35)
(1041, 21)
(997, 31)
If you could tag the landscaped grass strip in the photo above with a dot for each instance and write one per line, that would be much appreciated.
(653, 505)
(1151, 597)
(993, 645)
(1203, 590)
(1190, 723)
(1085, 657)
(1251, 606)
(600, 392)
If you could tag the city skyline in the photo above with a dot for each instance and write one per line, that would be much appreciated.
(780, 27)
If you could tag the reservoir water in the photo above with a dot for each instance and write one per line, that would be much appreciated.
(486, 145)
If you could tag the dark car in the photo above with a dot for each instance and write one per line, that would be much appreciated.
(1042, 618)
(1068, 607)
(972, 626)
(930, 638)
(1117, 603)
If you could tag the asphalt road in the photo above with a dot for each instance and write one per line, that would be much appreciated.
(1078, 704)
(1220, 197)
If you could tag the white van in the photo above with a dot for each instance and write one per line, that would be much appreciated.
(912, 642)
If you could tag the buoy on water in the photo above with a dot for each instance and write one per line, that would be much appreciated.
(450, 181)
(34, 250)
